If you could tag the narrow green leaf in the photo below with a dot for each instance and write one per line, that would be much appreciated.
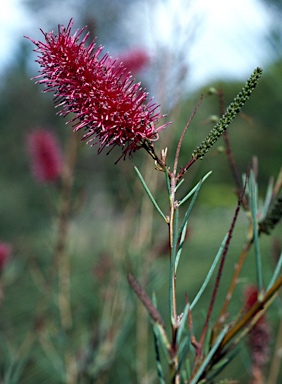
(162, 339)
(182, 323)
(209, 275)
(182, 230)
(267, 200)
(184, 348)
(180, 247)
(253, 197)
(209, 356)
(154, 300)
(14, 371)
(187, 214)
(175, 235)
(160, 332)
(149, 193)
(276, 273)
(158, 358)
(218, 368)
(167, 180)
(187, 370)
(178, 185)
(207, 342)
(194, 189)
(172, 261)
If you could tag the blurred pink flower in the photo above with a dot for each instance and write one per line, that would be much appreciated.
(5, 251)
(103, 98)
(258, 338)
(134, 60)
(45, 155)
(251, 298)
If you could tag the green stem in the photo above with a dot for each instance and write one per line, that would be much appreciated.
(175, 378)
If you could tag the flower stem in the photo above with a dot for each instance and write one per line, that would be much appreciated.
(61, 255)
(249, 315)
(276, 359)
(172, 247)
(173, 304)
(63, 226)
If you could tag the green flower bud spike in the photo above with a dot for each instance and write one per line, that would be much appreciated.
(272, 218)
(231, 112)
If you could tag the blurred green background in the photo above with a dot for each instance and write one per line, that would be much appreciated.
(112, 227)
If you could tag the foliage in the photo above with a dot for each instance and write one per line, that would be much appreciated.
(68, 315)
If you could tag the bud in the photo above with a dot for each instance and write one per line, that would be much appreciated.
(45, 155)
(5, 251)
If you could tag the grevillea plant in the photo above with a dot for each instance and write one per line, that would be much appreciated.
(45, 155)
(103, 100)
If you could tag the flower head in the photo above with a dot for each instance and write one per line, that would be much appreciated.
(5, 251)
(45, 155)
(106, 103)
(134, 60)
(258, 337)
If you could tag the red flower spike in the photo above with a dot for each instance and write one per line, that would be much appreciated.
(258, 338)
(103, 97)
(5, 251)
(134, 60)
(45, 156)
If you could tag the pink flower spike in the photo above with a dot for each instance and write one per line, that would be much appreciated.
(259, 337)
(134, 60)
(45, 155)
(102, 96)
(5, 252)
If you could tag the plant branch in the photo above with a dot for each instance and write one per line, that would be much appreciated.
(252, 312)
(63, 226)
(276, 359)
(145, 299)
(183, 135)
(220, 270)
